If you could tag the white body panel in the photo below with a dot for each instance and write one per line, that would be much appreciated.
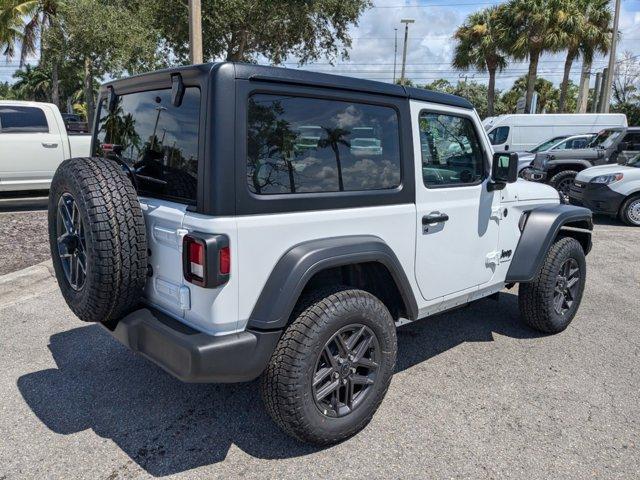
(28, 160)
(527, 131)
(445, 267)
(629, 184)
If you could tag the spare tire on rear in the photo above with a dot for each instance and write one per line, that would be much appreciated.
(98, 238)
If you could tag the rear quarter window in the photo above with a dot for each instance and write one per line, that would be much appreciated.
(313, 145)
(157, 139)
(23, 120)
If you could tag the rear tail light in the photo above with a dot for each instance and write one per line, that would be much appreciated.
(206, 259)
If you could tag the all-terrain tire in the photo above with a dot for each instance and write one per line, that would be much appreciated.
(562, 181)
(286, 387)
(630, 211)
(113, 236)
(536, 299)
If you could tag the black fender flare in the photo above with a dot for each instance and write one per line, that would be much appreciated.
(298, 265)
(540, 230)
(551, 164)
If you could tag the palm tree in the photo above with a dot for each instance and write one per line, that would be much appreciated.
(530, 29)
(333, 139)
(595, 37)
(478, 46)
(585, 30)
(33, 83)
(24, 22)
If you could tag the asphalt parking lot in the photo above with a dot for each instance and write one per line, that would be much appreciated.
(476, 395)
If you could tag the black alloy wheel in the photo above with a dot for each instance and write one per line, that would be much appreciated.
(567, 284)
(72, 248)
(346, 370)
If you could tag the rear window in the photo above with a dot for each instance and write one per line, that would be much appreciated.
(22, 120)
(313, 145)
(158, 140)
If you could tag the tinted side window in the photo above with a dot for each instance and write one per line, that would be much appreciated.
(451, 152)
(303, 145)
(499, 135)
(633, 139)
(159, 140)
(23, 120)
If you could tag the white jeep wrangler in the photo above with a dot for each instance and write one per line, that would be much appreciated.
(240, 220)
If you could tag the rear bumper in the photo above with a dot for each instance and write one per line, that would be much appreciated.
(596, 197)
(193, 356)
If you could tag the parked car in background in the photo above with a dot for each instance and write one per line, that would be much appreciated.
(522, 132)
(612, 190)
(33, 142)
(559, 168)
(74, 123)
(562, 142)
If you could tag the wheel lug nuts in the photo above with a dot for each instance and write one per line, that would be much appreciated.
(336, 375)
(344, 381)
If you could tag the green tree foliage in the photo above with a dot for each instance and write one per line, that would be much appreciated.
(479, 46)
(104, 37)
(531, 27)
(475, 92)
(248, 30)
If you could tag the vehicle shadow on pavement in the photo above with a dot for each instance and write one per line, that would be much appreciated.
(168, 427)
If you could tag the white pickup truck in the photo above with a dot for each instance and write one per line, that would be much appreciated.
(33, 142)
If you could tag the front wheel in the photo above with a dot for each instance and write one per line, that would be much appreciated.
(562, 182)
(332, 366)
(551, 300)
(630, 211)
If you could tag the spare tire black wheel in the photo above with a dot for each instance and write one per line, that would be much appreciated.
(98, 239)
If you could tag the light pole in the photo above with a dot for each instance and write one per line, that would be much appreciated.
(195, 31)
(406, 22)
(607, 83)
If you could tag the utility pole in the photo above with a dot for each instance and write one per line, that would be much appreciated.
(395, 54)
(406, 22)
(596, 93)
(603, 92)
(608, 81)
(195, 31)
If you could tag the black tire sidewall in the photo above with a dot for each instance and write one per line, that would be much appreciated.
(572, 249)
(60, 185)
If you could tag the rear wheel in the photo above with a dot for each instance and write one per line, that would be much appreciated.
(332, 367)
(630, 211)
(97, 238)
(562, 182)
(551, 300)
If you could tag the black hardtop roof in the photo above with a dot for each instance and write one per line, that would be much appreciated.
(297, 77)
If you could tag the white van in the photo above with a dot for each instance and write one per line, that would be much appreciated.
(522, 132)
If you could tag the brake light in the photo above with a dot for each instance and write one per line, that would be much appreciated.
(224, 263)
(206, 259)
(196, 259)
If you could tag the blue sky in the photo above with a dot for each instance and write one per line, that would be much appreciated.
(430, 46)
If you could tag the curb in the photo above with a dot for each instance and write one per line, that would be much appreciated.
(26, 283)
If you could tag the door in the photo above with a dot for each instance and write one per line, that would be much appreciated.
(499, 138)
(457, 224)
(30, 150)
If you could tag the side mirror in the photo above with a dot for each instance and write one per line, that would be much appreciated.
(504, 170)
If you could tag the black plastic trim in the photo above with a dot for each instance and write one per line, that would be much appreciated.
(193, 356)
(296, 267)
(540, 230)
(597, 197)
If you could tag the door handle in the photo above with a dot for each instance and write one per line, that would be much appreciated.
(49, 145)
(435, 217)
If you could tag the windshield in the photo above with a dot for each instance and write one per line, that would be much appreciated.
(544, 146)
(605, 138)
